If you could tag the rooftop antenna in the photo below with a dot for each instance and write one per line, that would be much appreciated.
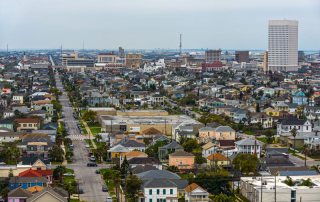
(180, 45)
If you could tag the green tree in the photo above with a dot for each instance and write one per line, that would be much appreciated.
(56, 105)
(125, 167)
(246, 163)
(222, 198)
(132, 187)
(307, 182)
(89, 116)
(294, 134)
(153, 150)
(288, 181)
(191, 145)
(56, 153)
(58, 172)
(214, 182)
(173, 169)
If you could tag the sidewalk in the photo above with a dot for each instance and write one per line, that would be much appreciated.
(65, 162)
(90, 134)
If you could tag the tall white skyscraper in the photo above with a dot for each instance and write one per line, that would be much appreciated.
(283, 45)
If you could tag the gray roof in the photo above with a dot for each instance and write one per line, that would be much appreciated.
(205, 129)
(165, 183)
(172, 145)
(158, 174)
(132, 143)
(224, 129)
(143, 168)
(20, 192)
(248, 141)
(47, 190)
(27, 179)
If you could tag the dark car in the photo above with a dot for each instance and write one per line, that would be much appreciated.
(92, 164)
(104, 188)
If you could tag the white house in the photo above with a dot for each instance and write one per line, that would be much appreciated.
(286, 125)
(208, 149)
(249, 146)
(194, 192)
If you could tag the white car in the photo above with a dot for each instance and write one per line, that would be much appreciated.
(109, 199)
(87, 146)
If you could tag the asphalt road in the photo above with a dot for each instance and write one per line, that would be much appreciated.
(89, 182)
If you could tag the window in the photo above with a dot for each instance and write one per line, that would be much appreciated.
(150, 200)
(293, 195)
(171, 191)
(164, 191)
(150, 191)
(158, 191)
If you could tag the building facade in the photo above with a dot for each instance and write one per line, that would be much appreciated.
(283, 45)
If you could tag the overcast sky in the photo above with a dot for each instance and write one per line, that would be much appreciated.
(150, 24)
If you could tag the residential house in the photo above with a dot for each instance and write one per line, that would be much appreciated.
(193, 192)
(117, 152)
(26, 182)
(286, 125)
(157, 100)
(10, 136)
(28, 124)
(249, 146)
(38, 173)
(182, 160)
(6, 124)
(261, 118)
(161, 185)
(132, 145)
(18, 98)
(168, 149)
(208, 149)
(139, 161)
(299, 98)
(49, 194)
(207, 134)
(36, 145)
(19, 195)
(217, 159)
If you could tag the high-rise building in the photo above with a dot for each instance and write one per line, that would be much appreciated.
(121, 52)
(242, 56)
(301, 56)
(283, 45)
(212, 56)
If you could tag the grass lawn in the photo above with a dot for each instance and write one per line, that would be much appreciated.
(89, 143)
(95, 130)
(262, 139)
(83, 128)
(68, 170)
(249, 132)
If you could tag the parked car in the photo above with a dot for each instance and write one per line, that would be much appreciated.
(109, 199)
(68, 174)
(92, 158)
(104, 188)
(92, 164)
(87, 146)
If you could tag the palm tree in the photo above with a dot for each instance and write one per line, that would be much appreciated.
(294, 134)
(98, 138)
(305, 151)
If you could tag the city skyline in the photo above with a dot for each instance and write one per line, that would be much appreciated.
(144, 25)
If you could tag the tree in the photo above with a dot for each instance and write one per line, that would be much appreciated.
(89, 116)
(246, 163)
(222, 198)
(288, 181)
(153, 150)
(56, 153)
(191, 145)
(125, 167)
(10, 173)
(58, 172)
(294, 134)
(98, 138)
(132, 187)
(214, 182)
(56, 105)
(307, 183)
(305, 148)
(173, 169)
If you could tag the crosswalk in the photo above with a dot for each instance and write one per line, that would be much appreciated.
(77, 137)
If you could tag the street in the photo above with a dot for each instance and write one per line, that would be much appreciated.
(89, 182)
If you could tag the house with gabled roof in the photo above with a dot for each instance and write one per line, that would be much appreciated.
(193, 192)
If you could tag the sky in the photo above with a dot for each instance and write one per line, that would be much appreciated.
(152, 24)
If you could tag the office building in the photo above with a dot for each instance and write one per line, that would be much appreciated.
(212, 56)
(242, 56)
(107, 58)
(283, 45)
(80, 62)
(301, 56)
(69, 56)
(134, 60)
